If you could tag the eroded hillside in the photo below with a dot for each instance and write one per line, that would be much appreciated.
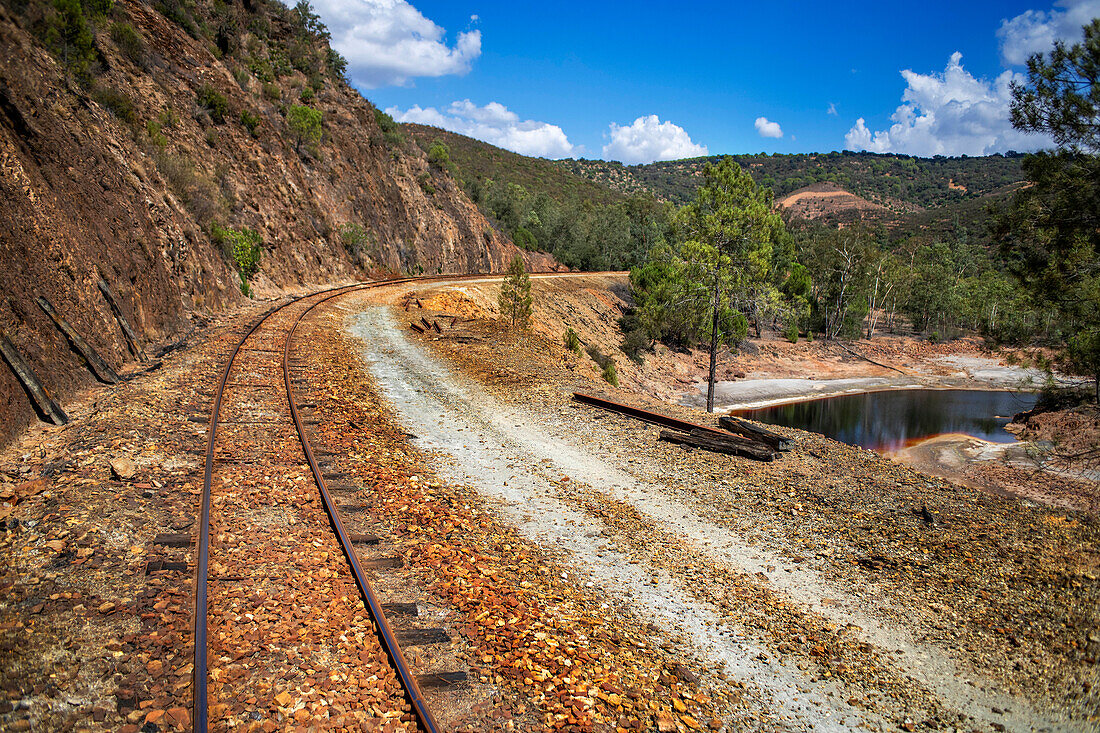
(130, 142)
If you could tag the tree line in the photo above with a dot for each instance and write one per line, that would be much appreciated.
(730, 261)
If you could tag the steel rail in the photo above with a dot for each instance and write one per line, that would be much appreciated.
(393, 649)
(199, 713)
(200, 687)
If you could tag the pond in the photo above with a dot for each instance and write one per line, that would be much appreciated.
(890, 420)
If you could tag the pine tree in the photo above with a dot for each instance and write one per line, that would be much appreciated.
(515, 294)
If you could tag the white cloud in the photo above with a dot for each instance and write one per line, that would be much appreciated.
(948, 114)
(494, 123)
(1035, 31)
(649, 139)
(389, 42)
(767, 128)
(832, 109)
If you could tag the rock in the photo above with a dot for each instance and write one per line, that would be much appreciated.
(122, 468)
(180, 717)
(665, 723)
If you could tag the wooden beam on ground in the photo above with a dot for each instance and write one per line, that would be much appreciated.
(755, 432)
(708, 441)
(127, 331)
(656, 418)
(98, 367)
(30, 381)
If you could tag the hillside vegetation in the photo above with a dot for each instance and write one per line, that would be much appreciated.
(544, 207)
(900, 183)
(190, 153)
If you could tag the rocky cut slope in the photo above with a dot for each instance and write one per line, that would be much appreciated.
(140, 142)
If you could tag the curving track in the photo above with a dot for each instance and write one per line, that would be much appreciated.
(260, 610)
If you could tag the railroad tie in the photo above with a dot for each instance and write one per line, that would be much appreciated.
(437, 680)
(421, 637)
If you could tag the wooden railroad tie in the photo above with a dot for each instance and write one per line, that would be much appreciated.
(46, 405)
(127, 331)
(400, 609)
(170, 539)
(382, 563)
(436, 680)
(421, 637)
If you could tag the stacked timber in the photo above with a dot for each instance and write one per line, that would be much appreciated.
(743, 439)
(754, 432)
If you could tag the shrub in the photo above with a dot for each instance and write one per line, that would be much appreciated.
(634, 343)
(120, 105)
(354, 237)
(439, 157)
(129, 42)
(609, 374)
(198, 194)
(241, 75)
(305, 124)
(153, 130)
(306, 95)
(246, 288)
(243, 245)
(790, 332)
(272, 92)
(524, 239)
(251, 121)
(213, 102)
(391, 131)
(572, 341)
(168, 118)
(425, 181)
(605, 363)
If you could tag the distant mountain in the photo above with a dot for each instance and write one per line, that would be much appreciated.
(910, 196)
(899, 183)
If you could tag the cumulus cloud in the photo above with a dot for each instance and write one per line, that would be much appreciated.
(389, 42)
(948, 114)
(1035, 31)
(832, 109)
(767, 128)
(649, 139)
(494, 123)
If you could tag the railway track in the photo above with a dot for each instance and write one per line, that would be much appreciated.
(279, 580)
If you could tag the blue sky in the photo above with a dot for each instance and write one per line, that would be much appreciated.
(642, 81)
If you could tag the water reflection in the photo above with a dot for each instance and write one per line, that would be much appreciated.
(890, 420)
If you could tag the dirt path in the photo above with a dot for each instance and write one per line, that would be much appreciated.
(554, 481)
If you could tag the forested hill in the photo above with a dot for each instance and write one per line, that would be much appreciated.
(901, 183)
(479, 162)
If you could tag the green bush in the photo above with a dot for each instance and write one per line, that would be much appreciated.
(425, 181)
(305, 124)
(213, 102)
(272, 92)
(439, 157)
(246, 288)
(609, 374)
(790, 332)
(572, 341)
(153, 130)
(391, 131)
(354, 238)
(120, 105)
(306, 95)
(129, 42)
(241, 75)
(251, 121)
(243, 245)
(605, 363)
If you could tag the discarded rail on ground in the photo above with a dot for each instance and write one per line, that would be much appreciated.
(739, 438)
